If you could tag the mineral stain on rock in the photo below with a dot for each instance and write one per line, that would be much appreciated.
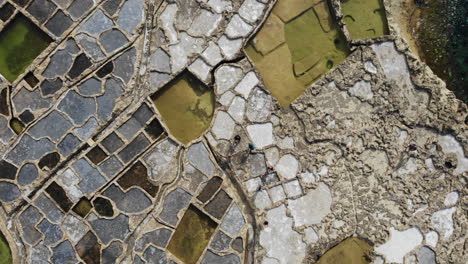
(299, 42)
(364, 18)
(20, 43)
(187, 107)
(350, 251)
(5, 252)
(192, 235)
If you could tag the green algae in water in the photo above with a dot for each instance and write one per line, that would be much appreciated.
(192, 235)
(302, 49)
(5, 252)
(186, 106)
(364, 18)
(20, 43)
(16, 125)
(350, 251)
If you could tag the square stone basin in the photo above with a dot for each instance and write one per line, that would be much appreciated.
(192, 235)
(364, 18)
(21, 41)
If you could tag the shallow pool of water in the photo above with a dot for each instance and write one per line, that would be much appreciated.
(364, 18)
(298, 43)
(5, 252)
(186, 106)
(20, 43)
(350, 251)
(192, 235)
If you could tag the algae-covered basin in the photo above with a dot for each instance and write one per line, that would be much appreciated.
(5, 252)
(192, 235)
(21, 42)
(350, 251)
(364, 18)
(186, 106)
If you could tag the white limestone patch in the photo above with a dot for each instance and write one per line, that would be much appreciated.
(370, 67)
(237, 27)
(277, 194)
(311, 208)
(432, 237)
(293, 188)
(261, 135)
(272, 156)
(362, 90)
(167, 22)
(220, 5)
(399, 244)
(69, 181)
(442, 221)
(262, 200)
(251, 10)
(226, 98)
(451, 199)
(200, 69)
(253, 185)
(226, 77)
(178, 57)
(162, 162)
(286, 143)
(223, 126)
(237, 109)
(287, 166)
(229, 47)
(310, 235)
(205, 23)
(74, 228)
(247, 84)
(212, 54)
(410, 167)
(450, 145)
(279, 240)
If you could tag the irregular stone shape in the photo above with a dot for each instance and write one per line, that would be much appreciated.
(212, 54)
(40, 254)
(78, 8)
(64, 253)
(443, 221)
(220, 5)
(205, 23)
(432, 237)
(200, 69)
(399, 244)
(199, 156)
(210, 189)
(9, 192)
(269, 178)
(106, 102)
(80, 108)
(90, 46)
(211, 258)
(69, 180)
(362, 90)
(61, 61)
(130, 128)
(287, 166)
(426, 256)
(97, 23)
(124, 66)
(279, 229)
(81, 63)
(233, 221)
(111, 167)
(229, 47)
(111, 253)
(311, 208)
(238, 245)
(162, 161)
(251, 10)
(259, 106)
(27, 175)
(29, 149)
(293, 188)
(261, 135)
(174, 202)
(237, 28)
(41, 9)
(257, 164)
(90, 87)
(220, 242)
(157, 79)
(49, 208)
(451, 198)
(218, 206)
(262, 200)
(68, 144)
(450, 145)
(131, 15)
(159, 237)
(5, 132)
(103, 207)
(133, 201)
(160, 61)
(112, 143)
(245, 86)
(109, 229)
(31, 100)
(26, 117)
(237, 109)
(111, 6)
(89, 249)
(277, 194)
(59, 23)
(167, 19)
(223, 126)
(53, 233)
(195, 177)
(49, 161)
(74, 228)
(135, 147)
(51, 86)
(59, 195)
(54, 126)
(154, 255)
(112, 40)
(28, 219)
(87, 130)
(92, 180)
(7, 170)
(226, 77)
